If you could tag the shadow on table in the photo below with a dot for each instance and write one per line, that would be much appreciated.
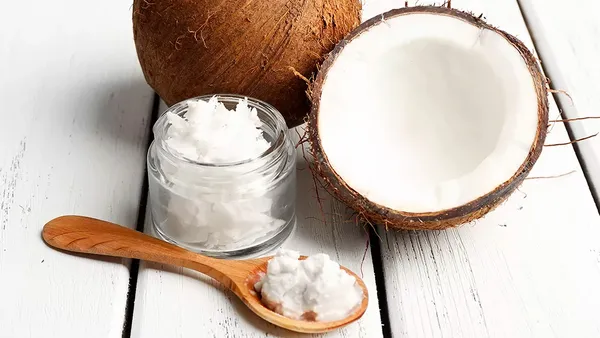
(327, 226)
(122, 108)
(263, 326)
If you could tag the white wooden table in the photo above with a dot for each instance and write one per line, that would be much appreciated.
(76, 117)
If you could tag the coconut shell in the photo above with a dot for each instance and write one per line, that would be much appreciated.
(266, 49)
(374, 213)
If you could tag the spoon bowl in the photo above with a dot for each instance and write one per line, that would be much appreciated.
(88, 235)
(252, 299)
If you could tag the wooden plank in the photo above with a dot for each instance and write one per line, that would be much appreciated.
(566, 36)
(72, 140)
(179, 302)
(529, 269)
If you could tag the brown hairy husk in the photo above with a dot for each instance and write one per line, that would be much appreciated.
(397, 219)
(256, 48)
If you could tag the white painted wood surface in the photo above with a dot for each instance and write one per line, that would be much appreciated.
(75, 112)
(529, 269)
(176, 302)
(567, 37)
(75, 121)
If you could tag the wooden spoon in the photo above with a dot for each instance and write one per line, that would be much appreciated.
(88, 235)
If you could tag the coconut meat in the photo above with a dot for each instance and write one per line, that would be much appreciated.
(427, 112)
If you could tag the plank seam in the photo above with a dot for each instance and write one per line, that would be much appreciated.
(376, 254)
(580, 158)
(141, 219)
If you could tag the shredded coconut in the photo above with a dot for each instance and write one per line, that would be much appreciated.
(311, 289)
(216, 206)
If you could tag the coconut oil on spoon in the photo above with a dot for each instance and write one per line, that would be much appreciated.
(92, 236)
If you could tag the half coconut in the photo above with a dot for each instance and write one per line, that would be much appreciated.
(427, 118)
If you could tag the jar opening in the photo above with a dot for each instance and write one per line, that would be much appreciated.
(273, 127)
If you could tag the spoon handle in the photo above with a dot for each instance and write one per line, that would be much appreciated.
(93, 236)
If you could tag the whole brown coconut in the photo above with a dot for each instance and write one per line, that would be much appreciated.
(410, 72)
(266, 49)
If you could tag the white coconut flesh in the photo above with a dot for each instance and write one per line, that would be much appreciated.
(427, 112)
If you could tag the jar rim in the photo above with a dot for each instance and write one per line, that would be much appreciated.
(179, 108)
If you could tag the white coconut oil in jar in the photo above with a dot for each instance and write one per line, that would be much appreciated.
(222, 176)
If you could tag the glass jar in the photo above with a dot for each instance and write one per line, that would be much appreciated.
(224, 210)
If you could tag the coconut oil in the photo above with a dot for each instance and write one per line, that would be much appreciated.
(222, 176)
(313, 289)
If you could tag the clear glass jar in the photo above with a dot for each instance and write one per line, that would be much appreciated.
(224, 210)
